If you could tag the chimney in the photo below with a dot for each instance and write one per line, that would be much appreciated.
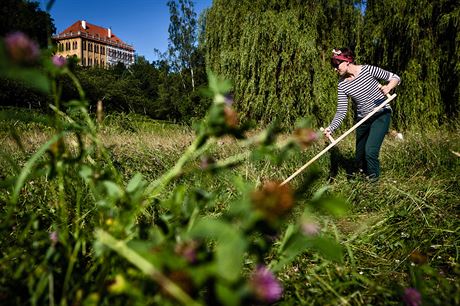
(83, 24)
(109, 32)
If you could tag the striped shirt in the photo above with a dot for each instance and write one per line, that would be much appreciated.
(364, 92)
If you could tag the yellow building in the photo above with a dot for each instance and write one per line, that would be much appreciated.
(93, 45)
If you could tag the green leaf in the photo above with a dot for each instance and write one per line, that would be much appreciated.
(85, 172)
(28, 167)
(230, 245)
(217, 85)
(296, 244)
(134, 183)
(333, 206)
(328, 248)
(227, 295)
(113, 190)
(291, 229)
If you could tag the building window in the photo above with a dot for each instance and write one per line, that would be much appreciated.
(90, 46)
(84, 45)
(96, 48)
(102, 50)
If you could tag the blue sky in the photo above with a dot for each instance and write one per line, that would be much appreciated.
(141, 23)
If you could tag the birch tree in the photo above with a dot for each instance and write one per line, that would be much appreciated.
(182, 38)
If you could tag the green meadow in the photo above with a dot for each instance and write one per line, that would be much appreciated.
(400, 232)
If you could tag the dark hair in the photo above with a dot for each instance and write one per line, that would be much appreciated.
(348, 53)
(342, 55)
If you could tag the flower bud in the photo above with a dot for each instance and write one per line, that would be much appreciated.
(187, 250)
(412, 297)
(21, 48)
(273, 200)
(305, 136)
(310, 228)
(231, 118)
(206, 162)
(418, 258)
(58, 61)
(54, 238)
(265, 286)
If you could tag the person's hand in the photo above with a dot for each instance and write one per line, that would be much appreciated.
(327, 132)
(385, 89)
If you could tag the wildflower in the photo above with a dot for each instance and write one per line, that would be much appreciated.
(21, 48)
(228, 99)
(265, 286)
(206, 162)
(54, 238)
(305, 136)
(58, 61)
(231, 118)
(412, 297)
(273, 200)
(418, 258)
(187, 250)
(310, 228)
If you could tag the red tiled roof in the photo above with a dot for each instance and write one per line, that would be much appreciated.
(92, 30)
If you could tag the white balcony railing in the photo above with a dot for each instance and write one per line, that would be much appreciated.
(104, 40)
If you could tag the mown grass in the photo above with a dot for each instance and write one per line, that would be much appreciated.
(405, 225)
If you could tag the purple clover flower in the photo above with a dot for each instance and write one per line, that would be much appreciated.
(412, 297)
(54, 238)
(228, 99)
(310, 228)
(21, 48)
(265, 285)
(58, 61)
(188, 250)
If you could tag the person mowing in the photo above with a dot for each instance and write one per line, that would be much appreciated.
(361, 84)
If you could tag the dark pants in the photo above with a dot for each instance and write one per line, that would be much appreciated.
(369, 138)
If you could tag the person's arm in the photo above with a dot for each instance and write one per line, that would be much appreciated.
(342, 106)
(384, 75)
(385, 89)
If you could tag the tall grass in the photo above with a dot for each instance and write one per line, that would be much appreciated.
(400, 232)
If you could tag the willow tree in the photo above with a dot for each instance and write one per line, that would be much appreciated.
(277, 54)
(418, 39)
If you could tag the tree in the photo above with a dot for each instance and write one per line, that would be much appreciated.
(147, 75)
(182, 37)
(419, 40)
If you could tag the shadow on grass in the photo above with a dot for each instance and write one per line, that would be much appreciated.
(339, 160)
